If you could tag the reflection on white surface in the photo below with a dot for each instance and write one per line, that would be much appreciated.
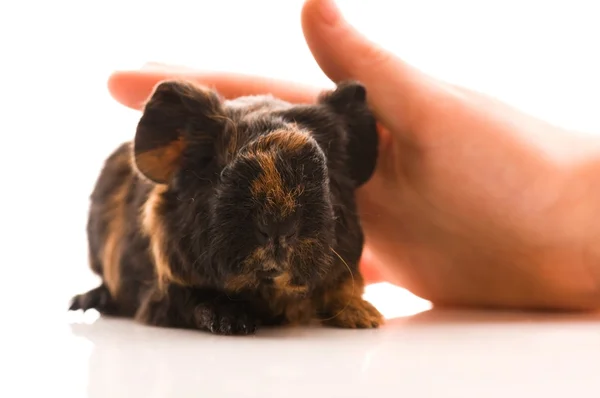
(433, 353)
(393, 301)
(470, 353)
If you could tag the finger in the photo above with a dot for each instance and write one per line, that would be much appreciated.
(398, 93)
(132, 88)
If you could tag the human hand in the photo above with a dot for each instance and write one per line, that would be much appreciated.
(472, 203)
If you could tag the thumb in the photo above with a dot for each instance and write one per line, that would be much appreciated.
(398, 93)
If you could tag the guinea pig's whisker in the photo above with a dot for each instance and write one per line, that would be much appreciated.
(351, 277)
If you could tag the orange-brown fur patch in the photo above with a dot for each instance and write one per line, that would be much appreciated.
(296, 311)
(281, 299)
(153, 228)
(270, 183)
(256, 257)
(347, 307)
(161, 163)
(240, 282)
(246, 279)
(287, 140)
(111, 251)
(284, 285)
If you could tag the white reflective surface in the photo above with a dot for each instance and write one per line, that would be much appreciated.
(431, 353)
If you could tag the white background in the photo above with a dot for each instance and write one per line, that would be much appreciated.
(58, 123)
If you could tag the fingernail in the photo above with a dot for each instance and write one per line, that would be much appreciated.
(329, 11)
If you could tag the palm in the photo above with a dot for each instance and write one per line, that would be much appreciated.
(466, 216)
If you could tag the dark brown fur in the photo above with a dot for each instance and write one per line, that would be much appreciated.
(183, 220)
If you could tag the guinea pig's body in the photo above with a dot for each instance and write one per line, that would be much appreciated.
(224, 215)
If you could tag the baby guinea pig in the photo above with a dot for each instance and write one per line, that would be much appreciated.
(224, 215)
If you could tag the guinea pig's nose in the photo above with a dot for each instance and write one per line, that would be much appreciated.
(280, 253)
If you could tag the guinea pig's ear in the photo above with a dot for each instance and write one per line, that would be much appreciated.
(349, 101)
(177, 115)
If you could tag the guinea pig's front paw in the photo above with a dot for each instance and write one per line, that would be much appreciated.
(355, 314)
(225, 317)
